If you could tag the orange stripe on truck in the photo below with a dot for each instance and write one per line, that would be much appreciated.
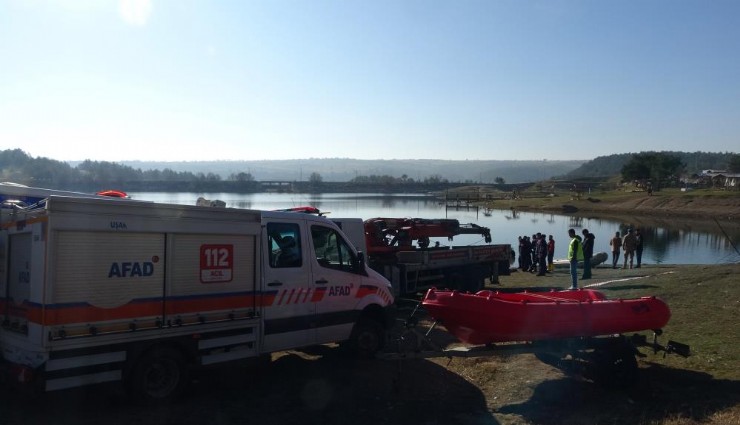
(62, 314)
(365, 290)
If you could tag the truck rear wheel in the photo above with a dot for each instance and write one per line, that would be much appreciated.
(159, 376)
(367, 338)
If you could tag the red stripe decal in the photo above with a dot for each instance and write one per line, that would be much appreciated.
(290, 297)
(297, 296)
(88, 313)
(318, 295)
(366, 290)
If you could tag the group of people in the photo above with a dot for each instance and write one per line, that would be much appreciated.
(631, 244)
(536, 254)
(583, 250)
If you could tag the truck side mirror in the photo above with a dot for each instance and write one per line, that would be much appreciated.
(360, 261)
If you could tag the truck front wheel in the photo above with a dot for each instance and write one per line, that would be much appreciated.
(159, 376)
(367, 338)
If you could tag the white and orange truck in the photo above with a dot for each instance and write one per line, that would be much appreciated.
(96, 290)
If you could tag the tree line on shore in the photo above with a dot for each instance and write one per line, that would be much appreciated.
(19, 167)
(662, 168)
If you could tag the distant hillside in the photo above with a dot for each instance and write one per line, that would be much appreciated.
(345, 169)
(611, 165)
(18, 166)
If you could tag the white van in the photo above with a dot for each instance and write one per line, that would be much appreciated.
(93, 290)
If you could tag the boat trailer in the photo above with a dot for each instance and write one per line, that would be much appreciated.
(608, 359)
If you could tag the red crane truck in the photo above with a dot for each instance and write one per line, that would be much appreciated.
(389, 243)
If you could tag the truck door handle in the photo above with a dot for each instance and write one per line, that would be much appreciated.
(275, 283)
(322, 282)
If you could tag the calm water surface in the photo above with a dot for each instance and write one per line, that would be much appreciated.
(668, 241)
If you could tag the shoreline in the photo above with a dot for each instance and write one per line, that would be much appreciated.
(708, 207)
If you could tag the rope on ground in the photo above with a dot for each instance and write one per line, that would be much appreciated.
(606, 282)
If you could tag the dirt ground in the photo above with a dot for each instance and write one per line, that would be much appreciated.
(324, 385)
(663, 204)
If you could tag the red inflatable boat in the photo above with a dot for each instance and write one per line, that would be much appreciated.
(487, 316)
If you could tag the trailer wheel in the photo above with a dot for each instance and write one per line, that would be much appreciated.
(159, 376)
(368, 337)
(615, 368)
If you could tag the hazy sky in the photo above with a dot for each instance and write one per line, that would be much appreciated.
(373, 79)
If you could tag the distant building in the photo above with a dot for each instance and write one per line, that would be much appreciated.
(721, 179)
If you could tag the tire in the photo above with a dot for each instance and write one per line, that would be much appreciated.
(368, 337)
(159, 376)
(614, 368)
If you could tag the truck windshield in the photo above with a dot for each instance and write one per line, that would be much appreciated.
(332, 250)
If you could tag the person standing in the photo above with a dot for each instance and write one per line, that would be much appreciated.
(533, 254)
(616, 244)
(541, 249)
(521, 257)
(575, 254)
(525, 256)
(638, 248)
(588, 252)
(630, 244)
(550, 254)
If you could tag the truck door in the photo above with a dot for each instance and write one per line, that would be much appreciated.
(338, 283)
(287, 299)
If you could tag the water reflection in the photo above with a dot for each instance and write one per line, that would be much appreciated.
(670, 241)
(246, 205)
(576, 222)
(514, 215)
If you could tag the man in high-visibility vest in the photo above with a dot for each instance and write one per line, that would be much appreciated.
(575, 254)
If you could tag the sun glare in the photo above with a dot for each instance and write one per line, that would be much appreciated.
(135, 12)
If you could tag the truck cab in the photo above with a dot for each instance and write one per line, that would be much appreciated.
(316, 283)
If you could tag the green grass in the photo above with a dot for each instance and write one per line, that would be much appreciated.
(705, 305)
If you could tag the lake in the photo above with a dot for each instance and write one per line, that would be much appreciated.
(667, 240)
